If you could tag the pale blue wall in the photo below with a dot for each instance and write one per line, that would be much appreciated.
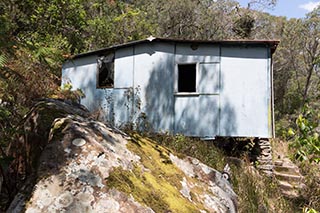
(233, 94)
(245, 91)
(153, 74)
(197, 114)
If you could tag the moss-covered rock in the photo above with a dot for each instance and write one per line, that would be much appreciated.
(88, 166)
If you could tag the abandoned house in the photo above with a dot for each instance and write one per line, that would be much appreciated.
(196, 88)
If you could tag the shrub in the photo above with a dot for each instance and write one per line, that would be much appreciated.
(306, 143)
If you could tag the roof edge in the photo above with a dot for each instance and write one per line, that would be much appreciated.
(271, 43)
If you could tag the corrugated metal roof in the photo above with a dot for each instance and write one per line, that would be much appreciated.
(270, 43)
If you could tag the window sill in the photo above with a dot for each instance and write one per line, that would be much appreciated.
(186, 94)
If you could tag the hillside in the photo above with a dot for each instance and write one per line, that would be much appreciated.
(65, 160)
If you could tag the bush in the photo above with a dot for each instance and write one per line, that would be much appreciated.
(306, 143)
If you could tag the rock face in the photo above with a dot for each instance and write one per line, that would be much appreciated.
(33, 134)
(88, 166)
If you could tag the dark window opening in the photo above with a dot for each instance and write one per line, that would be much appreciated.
(106, 71)
(187, 78)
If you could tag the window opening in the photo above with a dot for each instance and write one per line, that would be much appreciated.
(106, 71)
(187, 78)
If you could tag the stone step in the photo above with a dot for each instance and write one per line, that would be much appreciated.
(288, 177)
(291, 170)
(291, 190)
(284, 185)
(290, 194)
(284, 162)
(268, 173)
(278, 163)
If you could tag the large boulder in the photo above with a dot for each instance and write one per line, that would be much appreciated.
(89, 166)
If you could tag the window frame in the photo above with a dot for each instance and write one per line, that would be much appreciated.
(110, 60)
(177, 92)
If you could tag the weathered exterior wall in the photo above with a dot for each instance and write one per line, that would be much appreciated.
(153, 77)
(245, 92)
(198, 113)
(81, 73)
(110, 103)
(232, 98)
(121, 100)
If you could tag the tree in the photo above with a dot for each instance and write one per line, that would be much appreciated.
(311, 55)
(116, 22)
(243, 26)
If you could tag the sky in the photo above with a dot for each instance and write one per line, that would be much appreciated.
(290, 8)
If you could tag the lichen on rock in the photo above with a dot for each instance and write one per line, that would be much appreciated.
(88, 166)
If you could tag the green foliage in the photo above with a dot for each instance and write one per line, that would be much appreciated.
(257, 193)
(3, 60)
(36, 36)
(243, 26)
(306, 139)
(67, 87)
(118, 22)
(4, 113)
(309, 210)
(66, 92)
(311, 172)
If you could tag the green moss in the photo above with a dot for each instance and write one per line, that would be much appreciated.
(120, 179)
(194, 147)
(156, 184)
(129, 183)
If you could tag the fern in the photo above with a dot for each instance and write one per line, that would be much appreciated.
(3, 60)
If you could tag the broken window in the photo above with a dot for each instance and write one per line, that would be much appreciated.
(187, 77)
(105, 71)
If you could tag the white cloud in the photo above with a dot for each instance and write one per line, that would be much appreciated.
(310, 5)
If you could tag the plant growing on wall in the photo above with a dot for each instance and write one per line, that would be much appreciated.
(138, 118)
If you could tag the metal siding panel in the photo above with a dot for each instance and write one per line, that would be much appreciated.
(203, 53)
(122, 104)
(186, 115)
(107, 105)
(81, 73)
(244, 92)
(153, 76)
(208, 124)
(271, 95)
(123, 64)
(209, 79)
(197, 115)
